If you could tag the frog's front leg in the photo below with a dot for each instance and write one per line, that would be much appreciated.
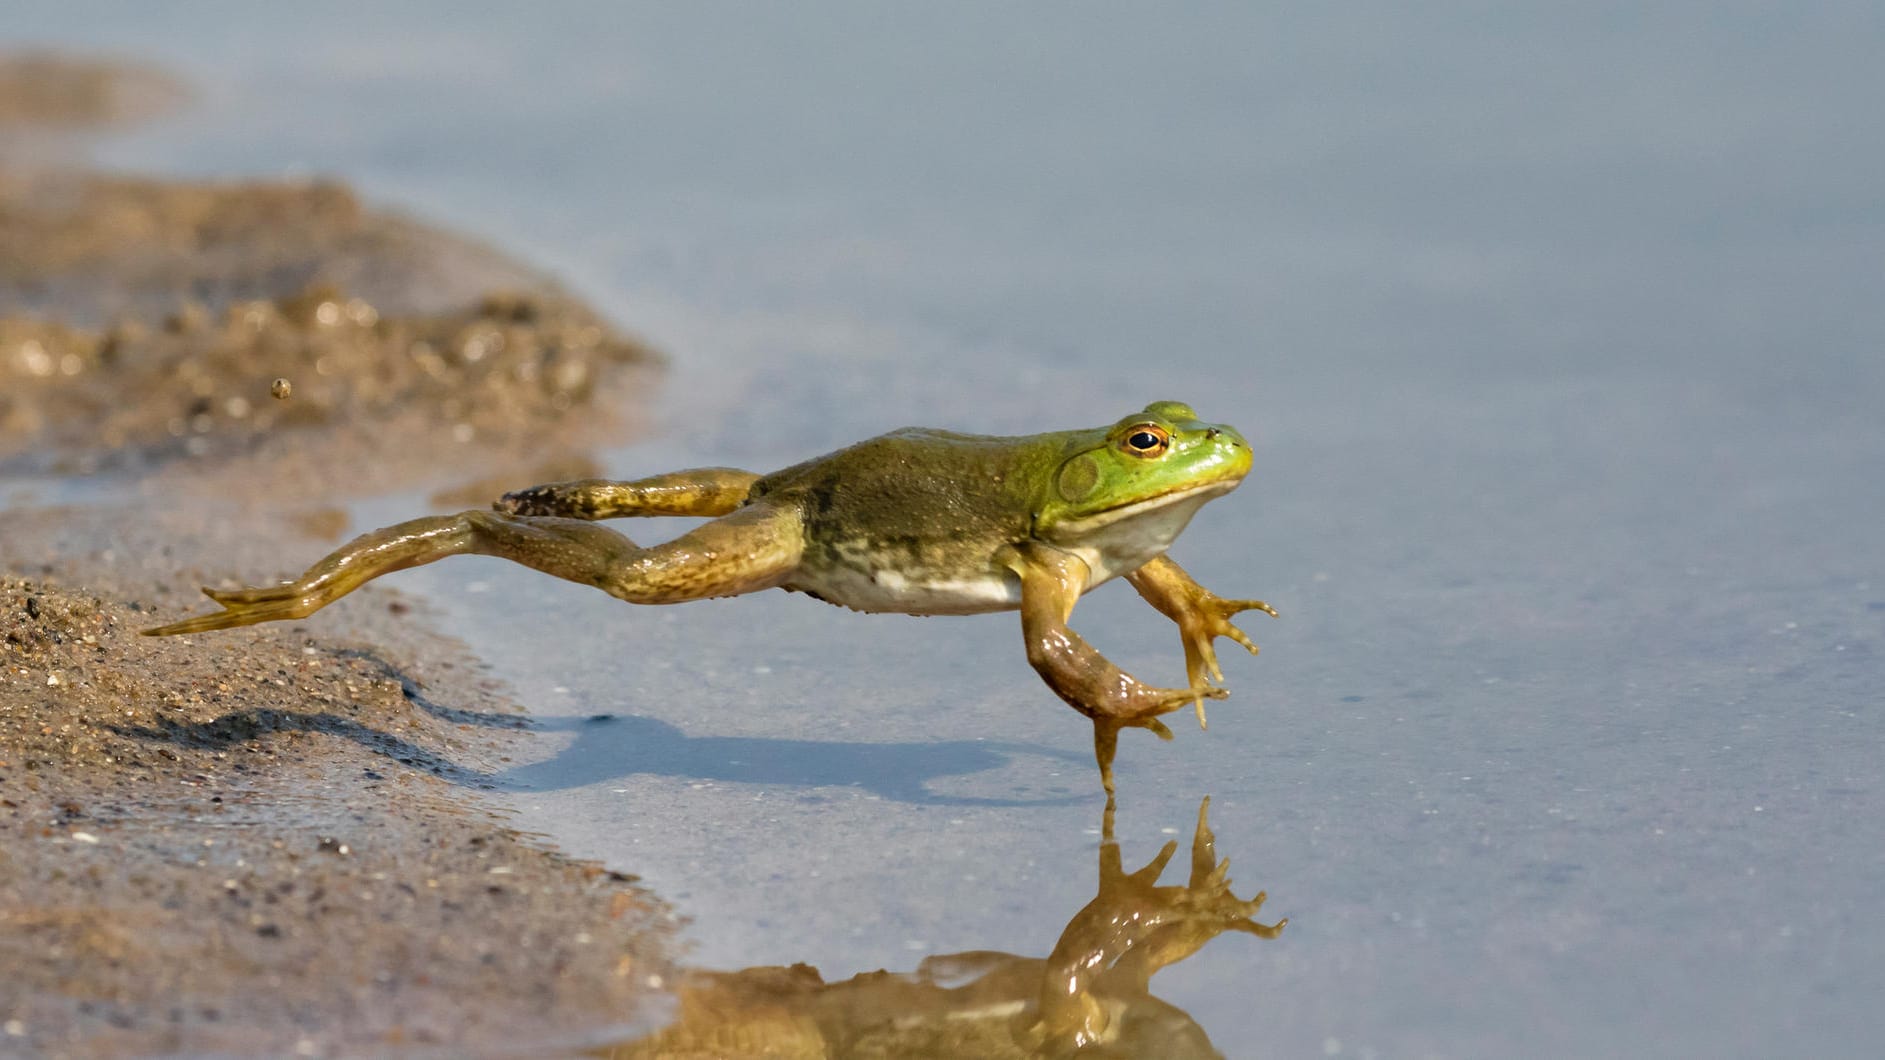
(1051, 582)
(1201, 615)
(755, 548)
(701, 491)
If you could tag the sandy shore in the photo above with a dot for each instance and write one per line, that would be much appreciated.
(270, 841)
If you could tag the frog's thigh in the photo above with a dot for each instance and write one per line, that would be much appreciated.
(754, 548)
(757, 547)
(701, 491)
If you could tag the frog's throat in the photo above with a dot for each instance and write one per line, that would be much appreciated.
(1187, 497)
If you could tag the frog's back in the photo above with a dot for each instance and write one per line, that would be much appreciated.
(910, 521)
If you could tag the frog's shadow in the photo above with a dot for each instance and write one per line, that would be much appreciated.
(616, 746)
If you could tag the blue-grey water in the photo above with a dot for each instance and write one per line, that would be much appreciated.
(1560, 335)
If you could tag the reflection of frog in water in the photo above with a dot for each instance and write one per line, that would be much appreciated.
(1090, 996)
(917, 521)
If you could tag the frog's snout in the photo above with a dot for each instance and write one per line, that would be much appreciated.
(1239, 454)
(1226, 436)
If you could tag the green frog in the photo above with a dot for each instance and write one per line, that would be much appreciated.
(918, 521)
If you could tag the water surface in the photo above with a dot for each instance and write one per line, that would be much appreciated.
(1557, 336)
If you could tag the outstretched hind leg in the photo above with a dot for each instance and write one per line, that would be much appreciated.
(702, 491)
(755, 548)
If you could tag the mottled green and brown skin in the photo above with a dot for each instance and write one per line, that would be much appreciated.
(916, 521)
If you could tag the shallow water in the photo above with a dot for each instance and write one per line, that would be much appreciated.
(1557, 338)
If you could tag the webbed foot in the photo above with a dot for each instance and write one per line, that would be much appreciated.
(1202, 616)
(1106, 726)
(244, 607)
(1209, 619)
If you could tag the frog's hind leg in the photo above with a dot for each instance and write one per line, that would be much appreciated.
(1051, 582)
(702, 491)
(755, 548)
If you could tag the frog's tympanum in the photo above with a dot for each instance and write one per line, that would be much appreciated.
(918, 521)
(1090, 997)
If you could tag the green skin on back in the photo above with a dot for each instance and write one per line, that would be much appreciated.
(914, 521)
(917, 521)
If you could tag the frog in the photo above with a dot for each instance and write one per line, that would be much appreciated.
(918, 521)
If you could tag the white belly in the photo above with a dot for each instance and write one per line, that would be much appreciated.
(1109, 546)
(893, 591)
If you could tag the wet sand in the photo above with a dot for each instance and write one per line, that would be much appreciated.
(266, 847)
(270, 842)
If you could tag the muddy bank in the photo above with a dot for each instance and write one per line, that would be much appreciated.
(288, 326)
(270, 842)
(88, 247)
(261, 847)
(46, 93)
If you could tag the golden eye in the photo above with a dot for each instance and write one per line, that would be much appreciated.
(1145, 439)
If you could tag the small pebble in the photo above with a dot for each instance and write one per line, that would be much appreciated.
(281, 388)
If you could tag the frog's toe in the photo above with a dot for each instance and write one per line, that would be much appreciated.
(1240, 637)
(1254, 605)
(264, 595)
(1201, 692)
(1224, 609)
(1200, 660)
(240, 613)
(1156, 728)
(1175, 698)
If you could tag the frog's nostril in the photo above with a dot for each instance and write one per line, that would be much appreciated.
(1210, 433)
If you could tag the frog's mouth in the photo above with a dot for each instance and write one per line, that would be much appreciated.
(1182, 502)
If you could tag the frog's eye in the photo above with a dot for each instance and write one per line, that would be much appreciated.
(1146, 439)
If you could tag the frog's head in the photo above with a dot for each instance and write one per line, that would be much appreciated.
(1144, 477)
